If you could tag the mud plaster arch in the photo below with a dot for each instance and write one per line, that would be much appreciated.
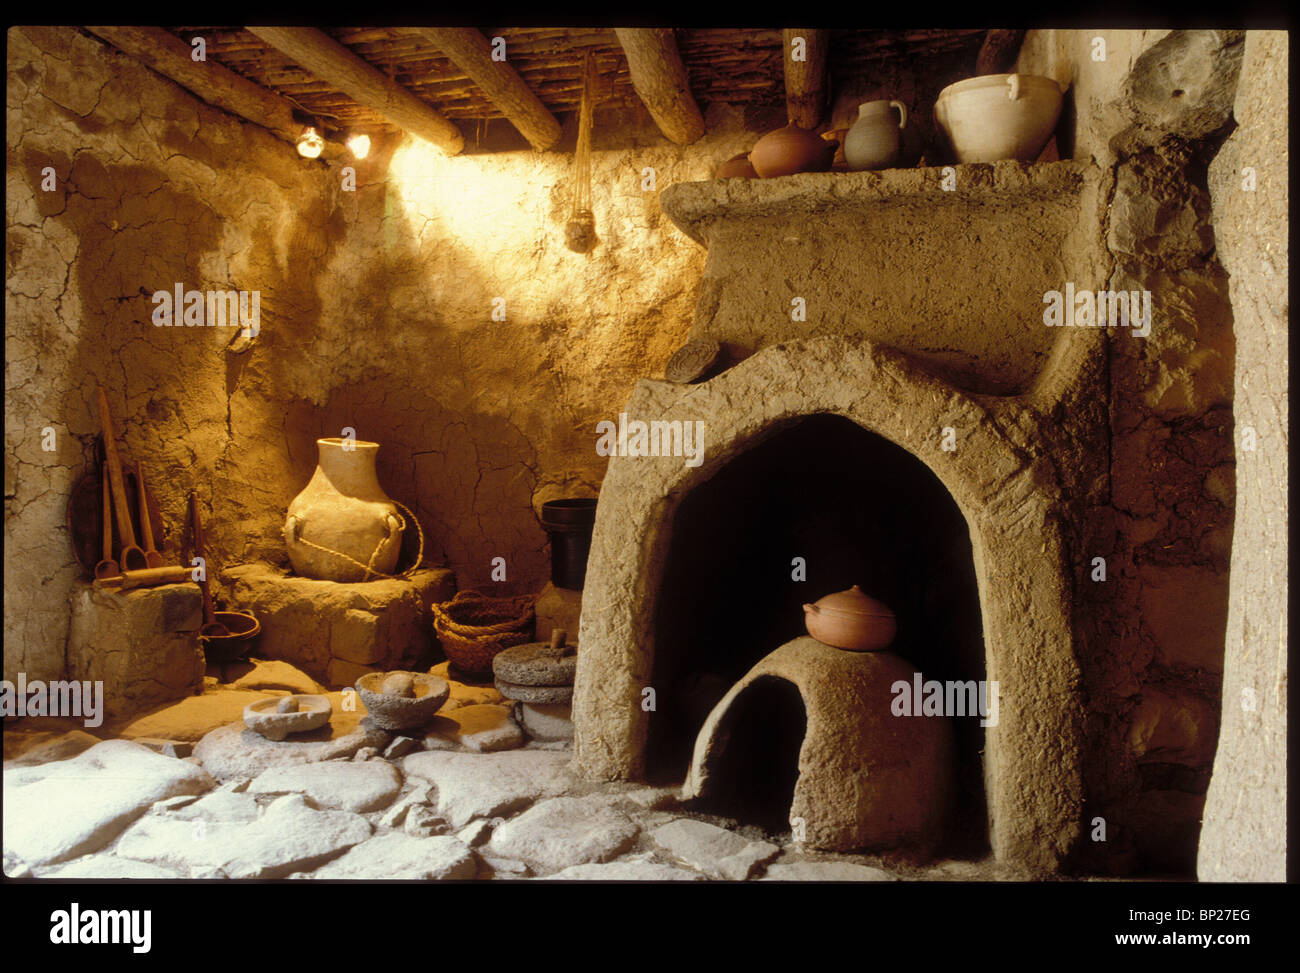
(1006, 490)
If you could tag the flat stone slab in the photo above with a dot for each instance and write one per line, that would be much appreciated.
(191, 718)
(218, 805)
(480, 785)
(626, 871)
(233, 752)
(105, 866)
(715, 851)
(63, 810)
(275, 674)
(507, 868)
(46, 748)
(400, 857)
(563, 832)
(288, 837)
(825, 872)
(465, 693)
(337, 785)
(479, 727)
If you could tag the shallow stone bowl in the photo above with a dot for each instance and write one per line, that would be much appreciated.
(263, 718)
(390, 712)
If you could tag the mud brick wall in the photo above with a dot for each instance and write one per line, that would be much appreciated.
(1154, 113)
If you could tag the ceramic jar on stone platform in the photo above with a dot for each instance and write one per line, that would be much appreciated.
(343, 527)
(875, 140)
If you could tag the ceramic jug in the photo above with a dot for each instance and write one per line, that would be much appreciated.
(875, 140)
(343, 527)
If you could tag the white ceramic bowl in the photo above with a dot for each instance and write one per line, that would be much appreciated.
(999, 116)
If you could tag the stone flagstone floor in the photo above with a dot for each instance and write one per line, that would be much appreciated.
(186, 792)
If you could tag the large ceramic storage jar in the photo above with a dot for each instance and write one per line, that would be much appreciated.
(789, 150)
(851, 620)
(875, 140)
(999, 116)
(343, 527)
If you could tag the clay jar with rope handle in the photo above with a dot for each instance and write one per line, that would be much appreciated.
(343, 527)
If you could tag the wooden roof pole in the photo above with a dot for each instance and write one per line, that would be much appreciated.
(470, 51)
(330, 61)
(805, 79)
(171, 57)
(660, 78)
(999, 51)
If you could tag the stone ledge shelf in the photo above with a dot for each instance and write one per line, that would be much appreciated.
(693, 205)
(339, 632)
(954, 278)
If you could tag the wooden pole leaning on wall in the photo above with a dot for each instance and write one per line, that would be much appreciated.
(470, 51)
(168, 55)
(327, 59)
(660, 79)
(805, 75)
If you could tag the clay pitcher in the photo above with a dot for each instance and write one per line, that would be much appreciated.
(875, 140)
(343, 527)
(789, 150)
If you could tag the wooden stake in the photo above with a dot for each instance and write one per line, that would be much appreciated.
(805, 79)
(999, 51)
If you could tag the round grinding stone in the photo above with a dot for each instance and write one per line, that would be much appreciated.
(535, 664)
(535, 694)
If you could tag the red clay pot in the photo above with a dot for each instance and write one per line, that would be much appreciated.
(789, 150)
(851, 620)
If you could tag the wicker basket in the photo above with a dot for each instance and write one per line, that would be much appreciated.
(473, 628)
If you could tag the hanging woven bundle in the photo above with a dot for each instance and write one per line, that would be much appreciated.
(580, 231)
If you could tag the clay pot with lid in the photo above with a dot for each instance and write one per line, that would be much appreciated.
(999, 116)
(791, 149)
(851, 620)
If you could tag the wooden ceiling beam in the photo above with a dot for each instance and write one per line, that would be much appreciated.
(805, 79)
(660, 78)
(321, 55)
(168, 55)
(999, 51)
(470, 51)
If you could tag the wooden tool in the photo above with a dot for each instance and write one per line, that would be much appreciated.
(147, 578)
(107, 567)
(211, 627)
(151, 555)
(133, 559)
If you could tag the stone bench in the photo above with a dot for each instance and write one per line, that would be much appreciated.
(143, 644)
(338, 632)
